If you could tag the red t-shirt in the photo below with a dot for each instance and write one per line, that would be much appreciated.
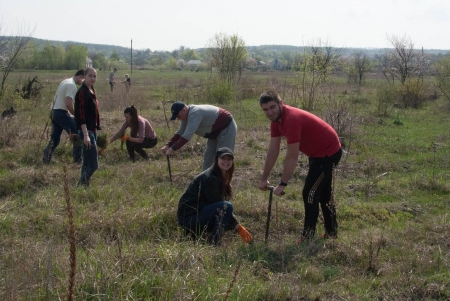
(316, 137)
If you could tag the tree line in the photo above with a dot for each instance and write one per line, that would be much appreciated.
(228, 56)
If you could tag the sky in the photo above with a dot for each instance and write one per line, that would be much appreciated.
(169, 24)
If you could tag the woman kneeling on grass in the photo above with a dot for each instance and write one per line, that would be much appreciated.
(203, 206)
(142, 134)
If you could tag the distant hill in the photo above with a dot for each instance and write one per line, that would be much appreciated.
(371, 52)
(107, 50)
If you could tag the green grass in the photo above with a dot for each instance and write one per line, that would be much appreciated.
(392, 192)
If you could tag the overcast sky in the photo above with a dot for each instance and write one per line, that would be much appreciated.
(169, 24)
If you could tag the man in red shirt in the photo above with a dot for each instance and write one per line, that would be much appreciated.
(315, 138)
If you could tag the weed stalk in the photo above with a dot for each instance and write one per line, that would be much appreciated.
(72, 238)
(233, 281)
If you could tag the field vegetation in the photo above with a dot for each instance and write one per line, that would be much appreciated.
(118, 239)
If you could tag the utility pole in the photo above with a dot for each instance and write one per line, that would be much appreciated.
(54, 58)
(131, 61)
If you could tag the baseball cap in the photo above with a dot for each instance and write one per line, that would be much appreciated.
(176, 108)
(223, 151)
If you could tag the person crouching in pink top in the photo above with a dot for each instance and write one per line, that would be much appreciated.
(141, 136)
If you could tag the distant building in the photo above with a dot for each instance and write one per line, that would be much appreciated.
(194, 63)
(88, 63)
(277, 65)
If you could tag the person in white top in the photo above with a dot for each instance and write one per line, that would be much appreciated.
(62, 116)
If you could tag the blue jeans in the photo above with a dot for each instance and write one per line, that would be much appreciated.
(90, 159)
(214, 218)
(61, 121)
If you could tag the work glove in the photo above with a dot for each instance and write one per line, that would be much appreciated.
(125, 138)
(246, 236)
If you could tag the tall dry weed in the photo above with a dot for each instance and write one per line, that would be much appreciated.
(233, 281)
(72, 237)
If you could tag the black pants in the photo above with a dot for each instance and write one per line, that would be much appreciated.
(138, 147)
(317, 190)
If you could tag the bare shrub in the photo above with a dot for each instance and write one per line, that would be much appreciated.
(386, 97)
(442, 67)
(8, 131)
(413, 94)
(274, 83)
(249, 88)
(338, 116)
(216, 92)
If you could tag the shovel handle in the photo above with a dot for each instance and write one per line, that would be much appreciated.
(170, 170)
(271, 188)
(269, 213)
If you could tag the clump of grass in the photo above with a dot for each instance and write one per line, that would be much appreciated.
(102, 141)
(397, 120)
(373, 251)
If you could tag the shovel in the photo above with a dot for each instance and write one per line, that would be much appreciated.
(170, 170)
(269, 211)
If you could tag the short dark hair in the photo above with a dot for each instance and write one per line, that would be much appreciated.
(79, 72)
(269, 96)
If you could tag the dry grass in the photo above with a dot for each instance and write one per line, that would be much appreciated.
(392, 243)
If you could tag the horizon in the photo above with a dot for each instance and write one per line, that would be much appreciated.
(168, 26)
(165, 50)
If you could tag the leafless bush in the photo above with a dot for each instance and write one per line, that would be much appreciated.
(8, 131)
(374, 247)
(337, 115)
(386, 96)
(249, 88)
(274, 83)
(413, 94)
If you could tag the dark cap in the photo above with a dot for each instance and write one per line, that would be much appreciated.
(176, 108)
(223, 151)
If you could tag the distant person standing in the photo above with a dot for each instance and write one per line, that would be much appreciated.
(214, 123)
(112, 80)
(87, 118)
(127, 82)
(62, 116)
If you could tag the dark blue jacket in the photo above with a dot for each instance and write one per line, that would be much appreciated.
(205, 189)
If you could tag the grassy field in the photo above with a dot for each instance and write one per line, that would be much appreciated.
(392, 192)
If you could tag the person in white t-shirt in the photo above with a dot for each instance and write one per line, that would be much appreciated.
(62, 116)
